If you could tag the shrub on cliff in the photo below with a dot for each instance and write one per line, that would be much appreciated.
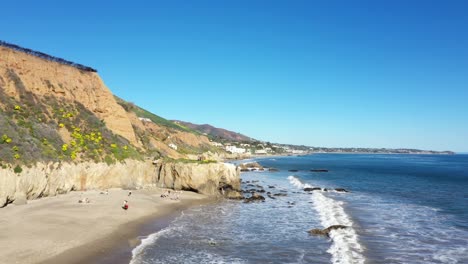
(32, 123)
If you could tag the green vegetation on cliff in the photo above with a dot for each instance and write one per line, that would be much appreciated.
(33, 128)
(140, 112)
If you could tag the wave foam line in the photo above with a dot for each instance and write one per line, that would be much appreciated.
(149, 240)
(345, 246)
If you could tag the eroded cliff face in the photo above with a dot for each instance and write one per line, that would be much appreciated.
(21, 73)
(211, 179)
(51, 179)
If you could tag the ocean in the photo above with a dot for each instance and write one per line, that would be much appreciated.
(399, 209)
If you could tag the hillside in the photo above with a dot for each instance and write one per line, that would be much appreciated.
(218, 134)
(55, 110)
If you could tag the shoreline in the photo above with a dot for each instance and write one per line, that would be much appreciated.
(60, 230)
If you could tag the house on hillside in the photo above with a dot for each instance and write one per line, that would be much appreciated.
(216, 144)
(260, 152)
(173, 146)
(235, 150)
(144, 119)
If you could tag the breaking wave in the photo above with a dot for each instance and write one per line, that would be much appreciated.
(345, 246)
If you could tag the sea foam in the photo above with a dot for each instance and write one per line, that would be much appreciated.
(345, 246)
(149, 240)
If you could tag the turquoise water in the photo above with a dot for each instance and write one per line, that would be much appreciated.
(400, 209)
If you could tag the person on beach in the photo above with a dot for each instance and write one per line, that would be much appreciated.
(125, 205)
(85, 200)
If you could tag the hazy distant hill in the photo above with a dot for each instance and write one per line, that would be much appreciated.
(216, 133)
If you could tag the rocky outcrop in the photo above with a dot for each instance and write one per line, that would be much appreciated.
(341, 190)
(254, 198)
(250, 166)
(326, 231)
(310, 189)
(209, 179)
(55, 178)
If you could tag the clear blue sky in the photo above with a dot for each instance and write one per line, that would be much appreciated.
(321, 73)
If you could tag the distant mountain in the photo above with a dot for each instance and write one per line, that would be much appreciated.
(216, 133)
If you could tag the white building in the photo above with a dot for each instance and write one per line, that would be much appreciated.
(235, 150)
(144, 119)
(260, 152)
(173, 146)
(298, 151)
(216, 144)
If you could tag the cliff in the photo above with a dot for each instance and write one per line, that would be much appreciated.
(61, 129)
(213, 178)
(51, 110)
(23, 75)
(51, 179)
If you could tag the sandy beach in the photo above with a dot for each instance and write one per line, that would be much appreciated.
(61, 230)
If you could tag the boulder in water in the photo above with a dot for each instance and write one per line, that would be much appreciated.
(326, 231)
(254, 198)
(309, 189)
(319, 170)
(341, 190)
(280, 194)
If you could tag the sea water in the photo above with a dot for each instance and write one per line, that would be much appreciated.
(400, 209)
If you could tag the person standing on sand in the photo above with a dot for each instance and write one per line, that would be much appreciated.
(125, 205)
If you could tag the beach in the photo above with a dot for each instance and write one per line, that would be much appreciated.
(61, 230)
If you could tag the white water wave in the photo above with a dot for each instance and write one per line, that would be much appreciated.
(149, 240)
(345, 246)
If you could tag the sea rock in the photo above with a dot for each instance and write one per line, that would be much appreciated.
(280, 194)
(319, 170)
(326, 231)
(309, 189)
(293, 170)
(273, 170)
(341, 190)
(202, 178)
(254, 198)
(250, 166)
(233, 195)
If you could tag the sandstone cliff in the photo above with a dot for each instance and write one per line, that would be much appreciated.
(22, 73)
(213, 178)
(61, 129)
(51, 179)
(54, 111)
